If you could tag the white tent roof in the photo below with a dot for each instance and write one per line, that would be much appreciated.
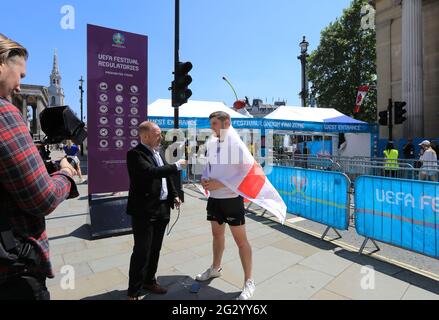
(310, 115)
(192, 109)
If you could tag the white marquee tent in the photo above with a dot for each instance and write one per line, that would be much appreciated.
(192, 109)
(356, 144)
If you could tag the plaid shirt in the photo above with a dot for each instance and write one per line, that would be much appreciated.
(27, 192)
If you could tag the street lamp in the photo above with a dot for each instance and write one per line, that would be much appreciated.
(81, 90)
(304, 46)
(303, 56)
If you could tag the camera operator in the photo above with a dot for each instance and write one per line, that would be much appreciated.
(27, 192)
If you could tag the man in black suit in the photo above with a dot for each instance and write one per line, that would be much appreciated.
(152, 194)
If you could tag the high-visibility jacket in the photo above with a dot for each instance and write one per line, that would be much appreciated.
(252, 149)
(391, 162)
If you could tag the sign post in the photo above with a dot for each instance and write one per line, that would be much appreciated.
(116, 105)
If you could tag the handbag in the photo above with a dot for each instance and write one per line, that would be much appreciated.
(15, 252)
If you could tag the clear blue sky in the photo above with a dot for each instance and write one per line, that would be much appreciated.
(254, 43)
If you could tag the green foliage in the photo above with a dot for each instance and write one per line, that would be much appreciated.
(344, 60)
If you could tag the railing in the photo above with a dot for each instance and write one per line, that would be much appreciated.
(398, 212)
(358, 166)
(402, 213)
(307, 162)
(320, 196)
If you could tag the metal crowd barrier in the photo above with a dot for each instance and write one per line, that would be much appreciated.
(311, 162)
(397, 210)
(408, 162)
(320, 196)
(402, 213)
(355, 171)
(356, 168)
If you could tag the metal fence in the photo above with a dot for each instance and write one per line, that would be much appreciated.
(320, 196)
(398, 212)
(307, 162)
(352, 167)
(358, 166)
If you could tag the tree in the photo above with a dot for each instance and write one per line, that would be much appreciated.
(344, 60)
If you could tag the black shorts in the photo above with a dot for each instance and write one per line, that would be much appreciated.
(229, 211)
(73, 160)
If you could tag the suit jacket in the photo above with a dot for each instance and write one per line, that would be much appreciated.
(146, 182)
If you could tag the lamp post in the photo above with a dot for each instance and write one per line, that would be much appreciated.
(81, 90)
(303, 56)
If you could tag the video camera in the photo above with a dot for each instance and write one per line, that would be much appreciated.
(59, 124)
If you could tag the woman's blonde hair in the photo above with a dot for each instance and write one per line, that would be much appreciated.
(69, 143)
(10, 49)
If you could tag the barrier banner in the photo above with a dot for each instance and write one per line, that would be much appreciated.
(403, 213)
(267, 124)
(320, 196)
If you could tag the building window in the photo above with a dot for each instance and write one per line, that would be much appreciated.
(53, 101)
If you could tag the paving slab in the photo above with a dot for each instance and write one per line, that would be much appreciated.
(327, 262)
(287, 264)
(352, 283)
(267, 263)
(295, 283)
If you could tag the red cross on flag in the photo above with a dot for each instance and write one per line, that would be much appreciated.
(231, 163)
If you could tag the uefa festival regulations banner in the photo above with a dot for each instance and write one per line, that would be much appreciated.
(116, 104)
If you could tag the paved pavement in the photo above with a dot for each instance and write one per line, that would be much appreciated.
(288, 263)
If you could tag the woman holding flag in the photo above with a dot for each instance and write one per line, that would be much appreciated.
(232, 174)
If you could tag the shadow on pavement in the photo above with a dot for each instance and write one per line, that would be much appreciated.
(386, 268)
(389, 269)
(293, 233)
(83, 232)
(179, 288)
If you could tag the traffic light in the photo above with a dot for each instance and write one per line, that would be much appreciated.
(180, 91)
(384, 118)
(400, 111)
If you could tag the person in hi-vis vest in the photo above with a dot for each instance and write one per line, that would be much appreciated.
(391, 163)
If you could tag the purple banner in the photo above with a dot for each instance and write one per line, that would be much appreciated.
(116, 104)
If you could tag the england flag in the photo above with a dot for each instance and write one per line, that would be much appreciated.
(232, 164)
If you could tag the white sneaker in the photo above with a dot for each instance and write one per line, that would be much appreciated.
(248, 290)
(209, 274)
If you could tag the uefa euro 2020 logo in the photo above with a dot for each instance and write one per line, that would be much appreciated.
(300, 184)
(119, 39)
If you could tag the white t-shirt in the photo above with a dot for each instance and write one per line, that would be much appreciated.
(429, 160)
(223, 193)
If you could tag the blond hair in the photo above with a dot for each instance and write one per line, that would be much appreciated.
(10, 49)
(220, 115)
(69, 143)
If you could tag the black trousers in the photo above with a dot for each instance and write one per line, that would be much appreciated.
(390, 173)
(25, 288)
(148, 238)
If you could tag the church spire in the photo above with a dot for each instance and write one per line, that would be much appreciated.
(55, 69)
(56, 92)
(55, 62)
